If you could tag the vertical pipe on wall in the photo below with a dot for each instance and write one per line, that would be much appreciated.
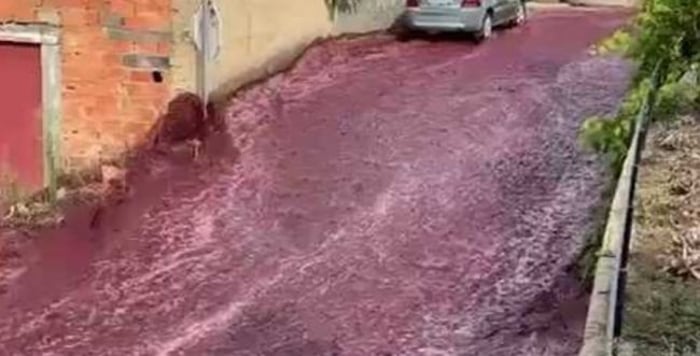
(202, 65)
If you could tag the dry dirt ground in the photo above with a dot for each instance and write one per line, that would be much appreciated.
(663, 295)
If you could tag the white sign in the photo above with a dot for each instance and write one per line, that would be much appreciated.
(207, 29)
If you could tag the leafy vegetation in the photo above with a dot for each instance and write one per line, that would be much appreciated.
(662, 311)
(665, 32)
(668, 32)
(619, 43)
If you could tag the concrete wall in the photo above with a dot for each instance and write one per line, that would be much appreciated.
(260, 37)
(370, 15)
(623, 3)
(110, 49)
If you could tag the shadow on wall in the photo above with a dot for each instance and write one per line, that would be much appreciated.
(257, 43)
(252, 52)
(358, 16)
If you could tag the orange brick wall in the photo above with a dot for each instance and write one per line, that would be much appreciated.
(110, 50)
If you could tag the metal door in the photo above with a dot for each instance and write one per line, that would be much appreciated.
(21, 127)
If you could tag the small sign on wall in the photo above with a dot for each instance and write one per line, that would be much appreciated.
(207, 29)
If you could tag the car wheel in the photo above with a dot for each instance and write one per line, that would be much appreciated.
(486, 28)
(404, 35)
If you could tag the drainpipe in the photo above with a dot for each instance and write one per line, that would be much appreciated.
(202, 53)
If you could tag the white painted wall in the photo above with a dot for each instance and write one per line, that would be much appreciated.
(259, 37)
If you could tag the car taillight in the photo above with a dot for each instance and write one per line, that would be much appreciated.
(471, 3)
(412, 3)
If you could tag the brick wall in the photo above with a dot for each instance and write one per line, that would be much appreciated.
(111, 48)
(115, 70)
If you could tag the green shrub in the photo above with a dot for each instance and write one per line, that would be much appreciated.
(610, 136)
(619, 43)
(668, 30)
(675, 97)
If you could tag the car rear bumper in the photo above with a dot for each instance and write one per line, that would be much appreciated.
(444, 19)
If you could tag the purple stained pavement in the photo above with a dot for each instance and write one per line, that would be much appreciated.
(390, 198)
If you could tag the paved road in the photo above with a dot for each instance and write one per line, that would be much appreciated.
(418, 198)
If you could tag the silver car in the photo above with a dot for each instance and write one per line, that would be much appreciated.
(475, 16)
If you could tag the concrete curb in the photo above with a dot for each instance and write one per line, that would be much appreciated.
(587, 3)
(603, 323)
(544, 7)
(597, 338)
(606, 3)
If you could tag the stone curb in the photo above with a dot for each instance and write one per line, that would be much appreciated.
(609, 281)
(601, 307)
(606, 3)
(544, 7)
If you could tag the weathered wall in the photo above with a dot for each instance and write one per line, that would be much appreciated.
(264, 36)
(370, 15)
(258, 37)
(183, 57)
(261, 36)
(109, 50)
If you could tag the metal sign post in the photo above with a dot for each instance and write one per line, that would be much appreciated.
(207, 26)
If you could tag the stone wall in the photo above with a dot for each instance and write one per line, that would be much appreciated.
(115, 75)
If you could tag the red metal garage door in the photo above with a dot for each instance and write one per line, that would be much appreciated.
(20, 115)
